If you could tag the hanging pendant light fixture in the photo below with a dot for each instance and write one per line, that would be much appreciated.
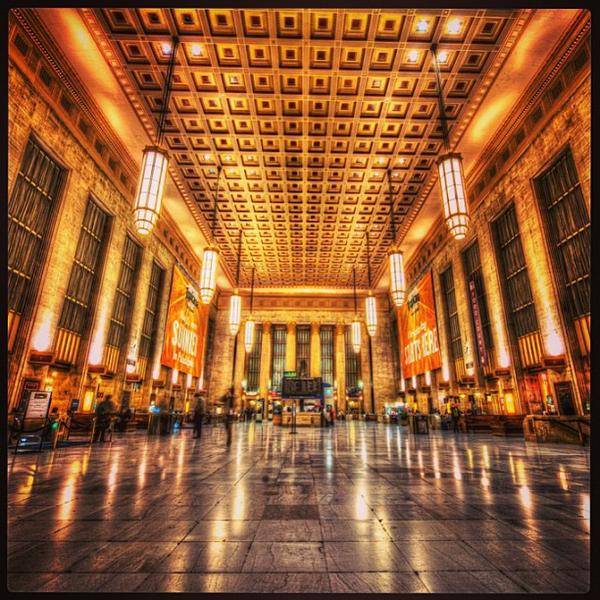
(450, 170)
(370, 304)
(397, 285)
(210, 257)
(235, 304)
(155, 162)
(249, 327)
(355, 327)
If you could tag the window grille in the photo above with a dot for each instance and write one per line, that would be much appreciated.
(84, 273)
(149, 327)
(278, 363)
(474, 271)
(327, 354)
(125, 294)
(352, 361)
(451, 313)
(253, 361)
(303, 350)
(31, 208)
(568, 227)
(513, 268)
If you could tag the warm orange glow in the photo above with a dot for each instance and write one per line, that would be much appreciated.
(509, 403)
(235, 310)
(97, 345)
(88, 400)
(174, 375)
(427, 377)
(454, 198)
(371, 314)
(249, 335)
(355, 334)
(156, 371)
(503, 357)
(188, 380)
(208, 275)
(445, 371)
(42, 338)
(150, 190)
(554, 342)
(397, 282)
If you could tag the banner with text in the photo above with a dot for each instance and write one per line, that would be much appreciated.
(185, 332)
(417, 328)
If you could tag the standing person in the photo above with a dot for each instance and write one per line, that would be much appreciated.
(228, 400)
(455, 417)
(333, 416)
(199, 412)
(104, 412)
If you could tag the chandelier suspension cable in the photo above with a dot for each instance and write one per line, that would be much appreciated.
(392, 216)
(214, 215)
(252, 291)
(354, 287)
(167, 93)
(440, 98)
(368, 261)
(239, 260)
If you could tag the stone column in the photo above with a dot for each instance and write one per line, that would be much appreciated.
(315, 350)
(265, 361)
(238, 370)
(290, 348)
(364, 368)
(340, 366)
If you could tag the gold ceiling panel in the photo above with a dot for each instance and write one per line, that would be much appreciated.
(305, 110)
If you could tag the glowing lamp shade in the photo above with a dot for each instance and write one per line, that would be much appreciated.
(456, 212)
(397, 284)
(208, 275)
(235, 310)
(249, 336)
(355, 335)
(371, 313)
(150, 189)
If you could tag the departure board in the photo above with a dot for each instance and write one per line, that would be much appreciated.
(301, 387)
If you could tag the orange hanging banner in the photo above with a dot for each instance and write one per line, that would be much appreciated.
(185, 331)
(417, 328)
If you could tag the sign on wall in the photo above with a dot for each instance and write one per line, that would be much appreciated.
(185, 332)
(38, 405)
(417, 328)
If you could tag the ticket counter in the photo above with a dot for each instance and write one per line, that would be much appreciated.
(303, 419)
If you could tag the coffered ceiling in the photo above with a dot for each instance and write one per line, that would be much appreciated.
(305, 111)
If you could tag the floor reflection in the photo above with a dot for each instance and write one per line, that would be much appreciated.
(324, 506)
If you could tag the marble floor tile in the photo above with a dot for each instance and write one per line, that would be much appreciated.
(362, 507)
(293, 530)
(468, 582)
(552, 581)
(267, 557)
(364, 556)
(376, 583)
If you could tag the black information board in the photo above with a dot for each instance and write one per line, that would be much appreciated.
(302, 387)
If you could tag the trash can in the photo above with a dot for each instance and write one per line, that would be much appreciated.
(418, 424)
(422, 424)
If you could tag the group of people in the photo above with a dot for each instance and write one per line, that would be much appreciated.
(200, 414)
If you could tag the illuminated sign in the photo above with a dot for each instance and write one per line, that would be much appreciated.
(417, 328)
(185, 332)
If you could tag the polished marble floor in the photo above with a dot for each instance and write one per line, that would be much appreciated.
(361, 507)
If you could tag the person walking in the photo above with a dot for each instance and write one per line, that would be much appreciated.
(228, 400)
(104, 412)
(199, 412)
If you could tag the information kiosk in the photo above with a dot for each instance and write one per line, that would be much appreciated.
(303, 401)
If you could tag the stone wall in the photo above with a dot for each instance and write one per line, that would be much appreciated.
(31, 113)
(302, 310)
(564, 123)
